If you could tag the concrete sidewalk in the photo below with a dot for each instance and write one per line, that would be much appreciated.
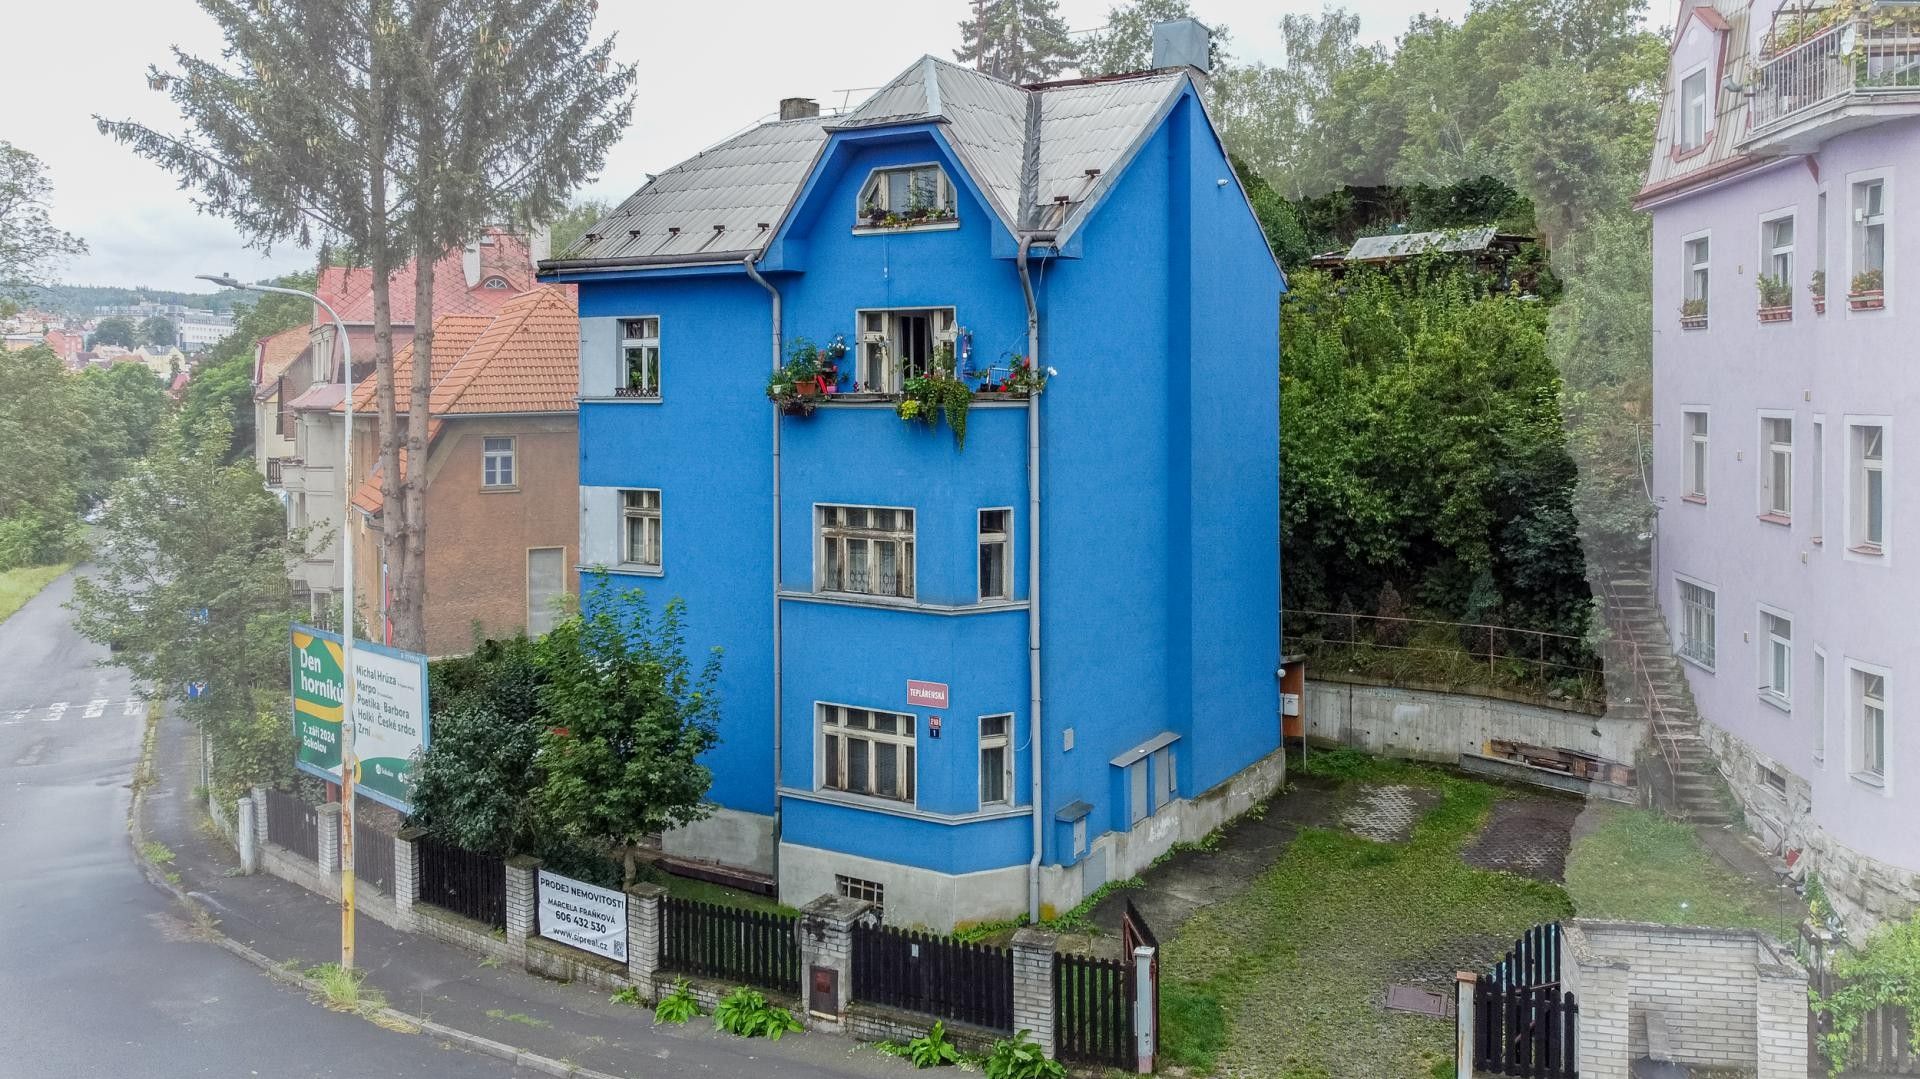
(450, 986)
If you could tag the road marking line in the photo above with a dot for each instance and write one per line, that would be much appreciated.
(133, 707)
(96, 708)
(15, 716)
(55, 713)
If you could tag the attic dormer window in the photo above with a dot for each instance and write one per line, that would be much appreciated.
(1694, 113)
(495, 282)
(907, 196)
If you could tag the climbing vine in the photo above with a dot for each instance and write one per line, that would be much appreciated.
(1885, 973)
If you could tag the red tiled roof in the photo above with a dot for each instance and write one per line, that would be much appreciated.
(273, 355)
(524, 359)
(350, 289)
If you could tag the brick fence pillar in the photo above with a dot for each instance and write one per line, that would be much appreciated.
(522, 884)
(406, 875)
(259, 796)
(1600, 985)
(643, 936)
(1033, 985)
(1780, 1016)
(826, 958)
(329, 858)
(247, 826)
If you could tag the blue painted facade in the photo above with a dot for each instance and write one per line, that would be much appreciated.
(1159, 526)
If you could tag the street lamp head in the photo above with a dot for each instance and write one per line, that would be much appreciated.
(223, 280)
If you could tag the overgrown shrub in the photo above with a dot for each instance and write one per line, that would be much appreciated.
(747, 1014)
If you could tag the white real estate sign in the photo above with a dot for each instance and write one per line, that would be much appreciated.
(584, 915)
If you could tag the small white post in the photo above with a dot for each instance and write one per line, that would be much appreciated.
(245, 831)
(1463, 983)
(1144, 1014)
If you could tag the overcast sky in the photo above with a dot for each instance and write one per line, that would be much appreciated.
(707, 69)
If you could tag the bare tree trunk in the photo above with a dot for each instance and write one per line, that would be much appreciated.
(380, 262)
(410, 600)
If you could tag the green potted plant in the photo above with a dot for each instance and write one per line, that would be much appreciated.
(1024, 379)
(1693, 314)
(939, 392)
(1776, 299)
(874, 214)
(1817, 289)
(1868, 290)
(796, 386)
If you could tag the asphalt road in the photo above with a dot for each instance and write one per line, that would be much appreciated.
(97, 977)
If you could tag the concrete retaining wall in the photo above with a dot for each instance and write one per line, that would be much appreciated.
(1433, 725)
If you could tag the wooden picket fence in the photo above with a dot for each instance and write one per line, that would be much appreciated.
(1522, 1023)
(1093, 1011)
(948, 979)
(731, 943)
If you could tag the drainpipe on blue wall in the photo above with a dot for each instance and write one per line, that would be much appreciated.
(754, 273)
(1027, 240)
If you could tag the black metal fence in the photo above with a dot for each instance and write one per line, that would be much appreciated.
(293, 824)
(1093, 1017)
(937, 976)
(1534, 960)
(372, 855)
(468, 884)
(758, 947)
(1525, 1031)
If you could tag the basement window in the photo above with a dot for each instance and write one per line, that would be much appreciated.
(867, 891)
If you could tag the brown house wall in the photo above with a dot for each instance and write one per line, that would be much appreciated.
(477, 540)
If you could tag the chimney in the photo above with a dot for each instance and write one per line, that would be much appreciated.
(1183, 43)
(798, 108)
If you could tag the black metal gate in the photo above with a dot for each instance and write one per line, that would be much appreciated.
(1522, 1023)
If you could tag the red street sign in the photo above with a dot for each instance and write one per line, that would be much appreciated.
(926, 694)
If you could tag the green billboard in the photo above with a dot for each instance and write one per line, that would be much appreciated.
(390, 713)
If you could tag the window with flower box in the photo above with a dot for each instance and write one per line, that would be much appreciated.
(1867, 290)
(907, 196)
(1695, 255)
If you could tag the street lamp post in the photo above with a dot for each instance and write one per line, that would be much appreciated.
(348, 764)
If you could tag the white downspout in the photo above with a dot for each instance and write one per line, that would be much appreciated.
(754, 273)
(1035, 742)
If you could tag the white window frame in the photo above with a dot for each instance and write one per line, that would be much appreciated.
(867, 891)
(1693, 127)
(1777, 258)
(1858, 760)
(833, 768)
(532, 607)
(875, 191)
(495, 283)
(1001, 740)
(1817, 480)
(1005, 544)
(1775, 458)
(1860, 547)
(1698, 456)
(634, 338)
(1711, 617)
(1857, 229)
(642, 516)
(829, 536)
(1696, 274)
(876, 368)
(1820, 706)
(499, 468)
(1775, 657)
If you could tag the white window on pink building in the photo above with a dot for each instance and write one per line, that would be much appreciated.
(1776, 467)
(1697, 456)
(1694, 112)
(1867, 464)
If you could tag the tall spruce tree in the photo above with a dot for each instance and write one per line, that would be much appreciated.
(401, 128)
(1021, 41)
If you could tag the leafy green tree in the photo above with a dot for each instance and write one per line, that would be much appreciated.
(189, 585)
(116, 331)
(42, 425)
(125, 409)
(477, 784)
(159, 330)
(1126, 42)
(399, 128)
(574, 222)
(30, 247)
(1021, 41)
(630, 717)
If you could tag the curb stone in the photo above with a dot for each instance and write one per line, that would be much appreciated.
(136, 834)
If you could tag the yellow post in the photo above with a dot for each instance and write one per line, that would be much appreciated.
(349, 765)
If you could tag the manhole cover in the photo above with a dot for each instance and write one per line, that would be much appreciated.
(1405, 998)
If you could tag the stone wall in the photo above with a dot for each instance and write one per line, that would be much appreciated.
(1727, 997)
(1866, 892)
(1434, 725)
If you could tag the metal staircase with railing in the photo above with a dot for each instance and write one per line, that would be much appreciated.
(1644, 679)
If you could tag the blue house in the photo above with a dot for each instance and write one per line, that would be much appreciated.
(967, 681)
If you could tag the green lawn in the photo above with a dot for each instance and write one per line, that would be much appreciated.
(17, 586)
(1639, 866)
(1284, 979)
(701, 891)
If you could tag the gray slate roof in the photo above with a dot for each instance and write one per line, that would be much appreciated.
(1025, 147)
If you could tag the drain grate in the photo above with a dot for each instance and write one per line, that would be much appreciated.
(1406, 998)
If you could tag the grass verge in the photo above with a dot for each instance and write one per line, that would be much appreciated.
(17, 586)
(1284, 978)
(345, 990)
(1638, 866)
